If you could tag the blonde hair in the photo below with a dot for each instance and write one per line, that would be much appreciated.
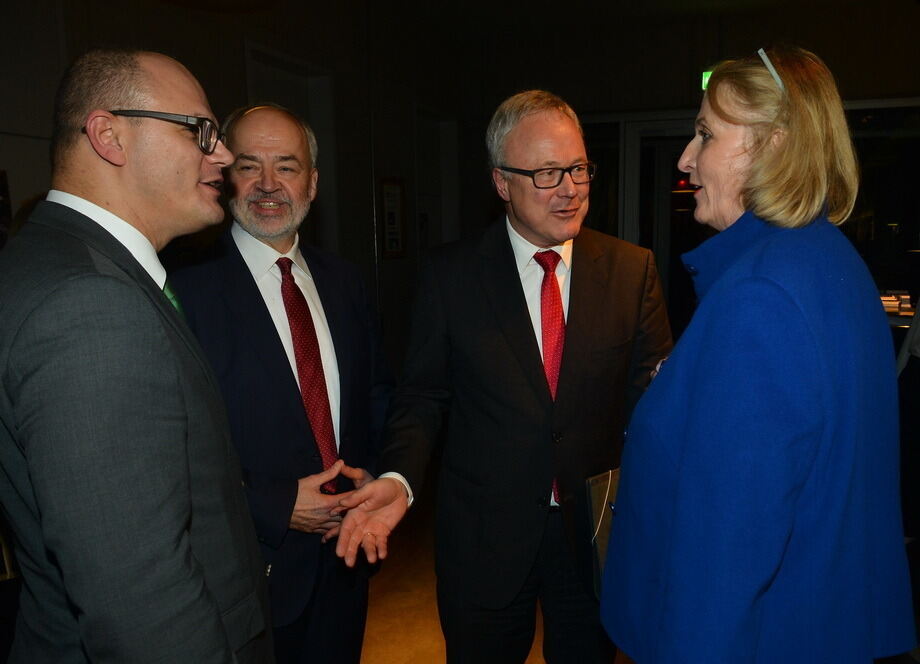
(803, 163)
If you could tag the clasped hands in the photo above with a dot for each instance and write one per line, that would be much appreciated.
(317, 512)
(363, 518)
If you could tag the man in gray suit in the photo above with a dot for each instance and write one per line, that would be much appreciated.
(119, 477)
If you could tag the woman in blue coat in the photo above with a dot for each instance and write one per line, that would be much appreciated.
(758, 516)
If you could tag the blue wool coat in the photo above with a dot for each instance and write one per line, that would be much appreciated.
(758, 517)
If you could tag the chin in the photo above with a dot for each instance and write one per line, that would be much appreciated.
(213, 217)
(274, 228)
(702, 218)
(571, 231)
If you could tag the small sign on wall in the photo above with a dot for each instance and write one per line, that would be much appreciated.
(392, 211)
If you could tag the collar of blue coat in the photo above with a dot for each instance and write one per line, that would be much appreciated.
(708, 261)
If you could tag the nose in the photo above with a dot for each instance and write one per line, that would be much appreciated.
(221, 155)
(567, 188)
(267, 182)
(687, 161)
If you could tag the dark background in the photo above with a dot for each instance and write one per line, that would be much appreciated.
(400, 93)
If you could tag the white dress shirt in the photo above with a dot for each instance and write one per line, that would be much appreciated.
(261, 260)
(531, 274)
(126, 234)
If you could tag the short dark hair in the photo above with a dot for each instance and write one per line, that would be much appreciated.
(98, 79)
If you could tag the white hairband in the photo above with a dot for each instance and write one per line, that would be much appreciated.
(770, 68)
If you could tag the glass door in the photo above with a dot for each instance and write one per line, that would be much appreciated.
(643, 198)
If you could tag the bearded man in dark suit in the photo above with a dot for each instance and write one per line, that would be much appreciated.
(532, 343)
(119, 478)
(242, 301)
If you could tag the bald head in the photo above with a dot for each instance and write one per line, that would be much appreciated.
(147, 169)
(99, 79)
(233, 120)
(167, 81)
(112, 79)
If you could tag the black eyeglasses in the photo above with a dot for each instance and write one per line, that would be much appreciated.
(547, 178)
(208, 132)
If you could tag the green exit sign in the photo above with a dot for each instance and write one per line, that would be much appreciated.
(706, 75)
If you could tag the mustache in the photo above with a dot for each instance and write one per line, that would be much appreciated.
(267, 198)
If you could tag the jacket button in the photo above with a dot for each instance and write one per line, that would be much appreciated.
(268, 569)
(692, 269)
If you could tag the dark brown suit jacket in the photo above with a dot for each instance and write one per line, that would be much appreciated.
(473, 362)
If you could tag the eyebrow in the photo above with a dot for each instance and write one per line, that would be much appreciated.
(701, 122)
(281, 157)
(557, 164)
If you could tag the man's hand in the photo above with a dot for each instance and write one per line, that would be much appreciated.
(313, 510)
(360, 477)
(357, 475)
(372, 513)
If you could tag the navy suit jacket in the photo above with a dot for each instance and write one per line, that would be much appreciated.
(226, 311)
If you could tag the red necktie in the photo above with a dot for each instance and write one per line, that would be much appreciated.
(309, 368)
(552, 318)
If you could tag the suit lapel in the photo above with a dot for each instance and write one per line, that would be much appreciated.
(255, 327)
(501, 284)
(589, 275)
(93, 235)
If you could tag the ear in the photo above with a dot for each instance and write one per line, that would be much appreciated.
(314, 178)
(777, 138)
(104, 136)
(500, 180)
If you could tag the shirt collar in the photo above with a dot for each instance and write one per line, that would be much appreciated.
(524, 250)
(261, 258)
(709, 261)
(126, 234)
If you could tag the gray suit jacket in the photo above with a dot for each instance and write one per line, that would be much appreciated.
(119, 477)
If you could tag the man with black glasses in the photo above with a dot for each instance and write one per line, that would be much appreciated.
(119, 477)
(531, 343)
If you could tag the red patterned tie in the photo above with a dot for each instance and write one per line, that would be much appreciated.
(552, 318)
(309, 368)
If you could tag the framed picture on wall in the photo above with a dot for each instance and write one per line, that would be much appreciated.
(392, 216)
